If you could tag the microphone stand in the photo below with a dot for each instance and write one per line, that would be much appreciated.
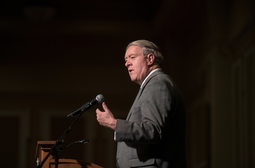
(57, 147)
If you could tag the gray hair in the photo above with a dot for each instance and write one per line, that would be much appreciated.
(148, 47)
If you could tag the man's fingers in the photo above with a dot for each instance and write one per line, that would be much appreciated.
(105, 106)
(97, 110)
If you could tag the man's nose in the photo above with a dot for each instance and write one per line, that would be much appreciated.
(127, 63)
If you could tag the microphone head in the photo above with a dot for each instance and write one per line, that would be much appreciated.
(100, 98)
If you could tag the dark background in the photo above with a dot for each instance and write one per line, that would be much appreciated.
(56, 55)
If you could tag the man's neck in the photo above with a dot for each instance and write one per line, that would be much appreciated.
(156, 67)
(153, 67)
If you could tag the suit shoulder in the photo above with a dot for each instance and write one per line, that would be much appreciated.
(161, 78)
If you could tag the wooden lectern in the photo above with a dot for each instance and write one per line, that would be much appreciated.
(44, 147)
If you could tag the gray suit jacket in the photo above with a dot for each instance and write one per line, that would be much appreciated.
(153, 134)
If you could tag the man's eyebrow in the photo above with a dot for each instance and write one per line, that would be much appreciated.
(128, 56)
(125, 57)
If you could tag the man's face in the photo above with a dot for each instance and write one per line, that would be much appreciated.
(137, 64)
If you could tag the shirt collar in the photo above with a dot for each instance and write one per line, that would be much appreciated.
(154, 70)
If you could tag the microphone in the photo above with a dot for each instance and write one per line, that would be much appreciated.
(99, 99)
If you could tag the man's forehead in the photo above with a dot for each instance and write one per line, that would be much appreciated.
(132, 50)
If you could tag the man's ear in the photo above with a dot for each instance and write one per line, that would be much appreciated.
(150, 59)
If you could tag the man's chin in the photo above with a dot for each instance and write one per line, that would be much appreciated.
(134, 80)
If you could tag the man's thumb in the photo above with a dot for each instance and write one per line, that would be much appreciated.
(105, 106)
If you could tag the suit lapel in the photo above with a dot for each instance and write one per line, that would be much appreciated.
(140, 92)
(137, 97)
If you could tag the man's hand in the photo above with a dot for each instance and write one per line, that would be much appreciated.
(106, 118)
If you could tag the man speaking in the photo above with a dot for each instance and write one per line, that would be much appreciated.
(153, 134)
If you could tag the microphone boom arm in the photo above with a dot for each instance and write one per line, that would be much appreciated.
(56, 148)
